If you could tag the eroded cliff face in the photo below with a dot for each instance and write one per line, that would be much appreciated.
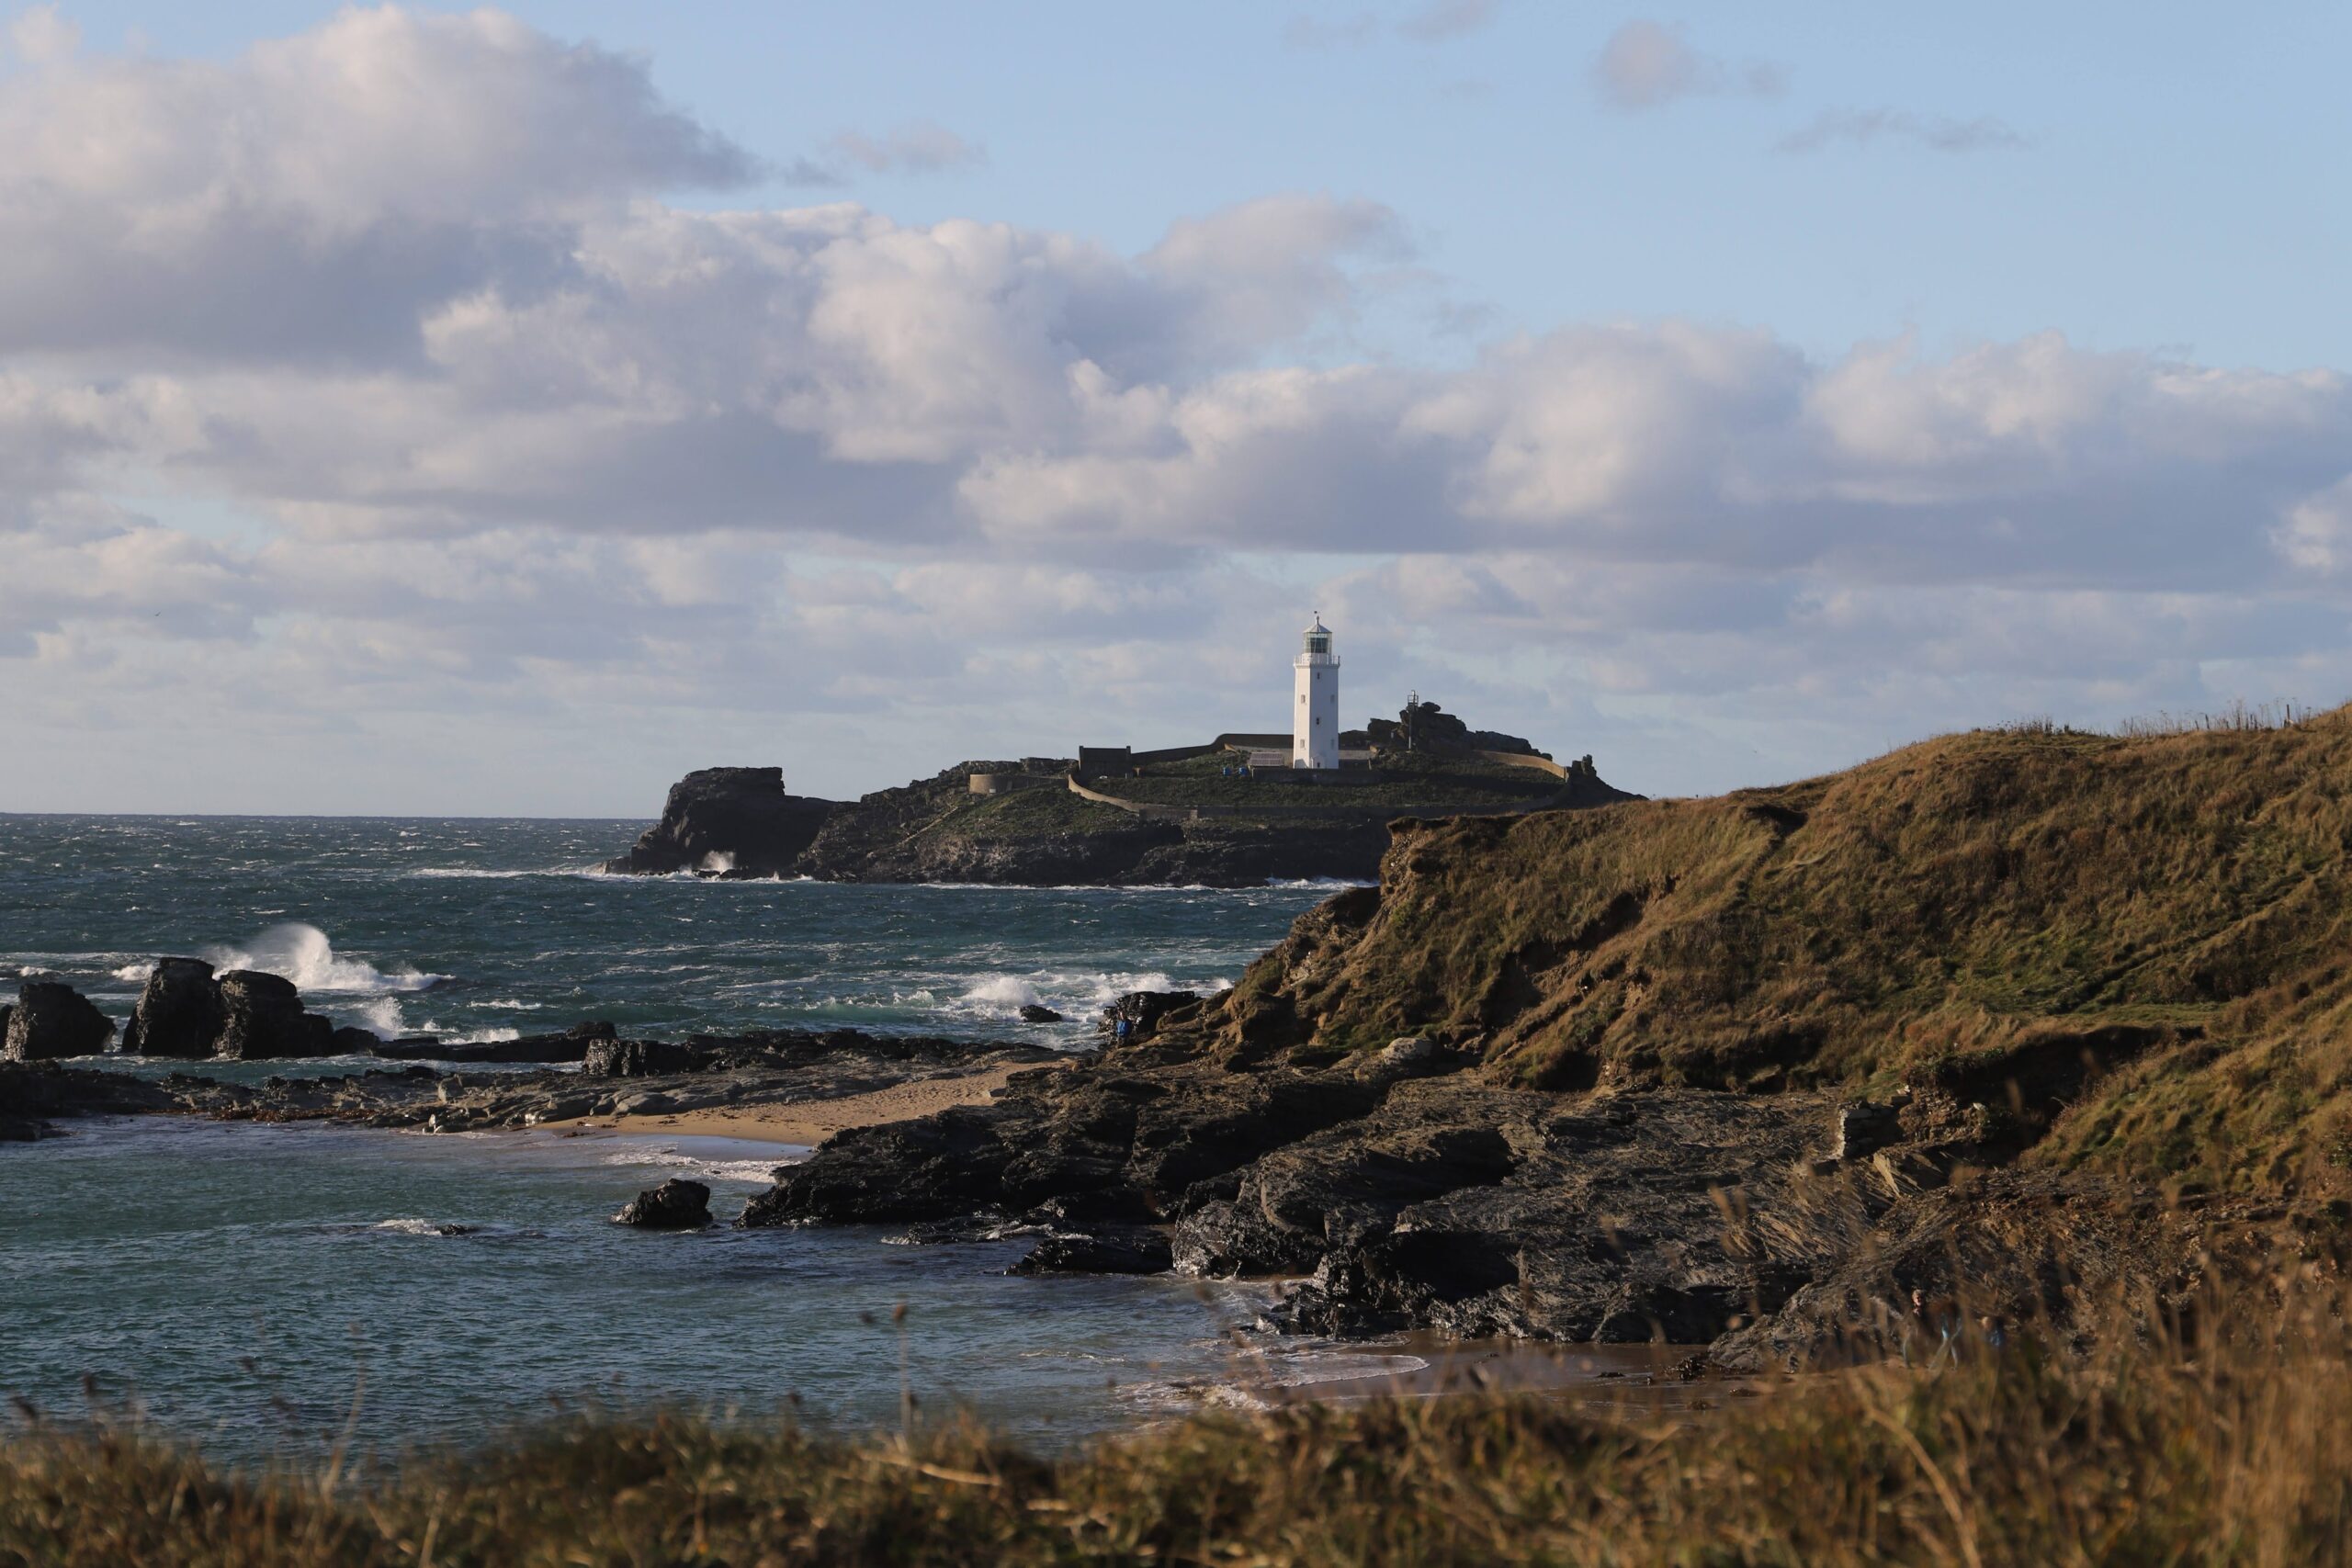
(1989, 1011)
(722, 820)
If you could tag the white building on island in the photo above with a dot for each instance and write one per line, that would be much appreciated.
(1314, 716)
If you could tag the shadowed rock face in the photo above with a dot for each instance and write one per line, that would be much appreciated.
(52, 1021)
(179, 1011)
(728, 819)
(262, 1018)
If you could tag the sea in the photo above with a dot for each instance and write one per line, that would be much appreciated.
(278, 1292)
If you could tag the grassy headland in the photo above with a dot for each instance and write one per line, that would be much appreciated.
(2150, 933)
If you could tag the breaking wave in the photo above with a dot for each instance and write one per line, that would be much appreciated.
(992, 996)
(303, 955)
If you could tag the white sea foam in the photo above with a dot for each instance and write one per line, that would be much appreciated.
(410, 1225)
(383, 1016)
(718, 860)
(302, 953)
(1002, 995)
(756, 1172)
(496, 873)
(999, 993)
(134, 974)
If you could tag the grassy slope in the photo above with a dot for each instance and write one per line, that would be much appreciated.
(1979, 907)
(1467, 784)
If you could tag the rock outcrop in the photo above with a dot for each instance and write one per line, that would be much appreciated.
(677, 1204)
(178, 1013)
(262, 1018)
(736, 821)
(2007, 1012)
(50, 1021)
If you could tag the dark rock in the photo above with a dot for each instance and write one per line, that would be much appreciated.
(735, 820)
(179, 1011)
(1863, 1128)
(1424, 727)
(1147, 1010)
(637, 1058)
(676, 1204)
(1032, 1013)
(524, 1050)
(262, 1018)
(52, 1021)
(594, 1029)
(351, 1040)
(1129, 1250)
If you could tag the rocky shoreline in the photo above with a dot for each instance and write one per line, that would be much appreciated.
(614, 1078)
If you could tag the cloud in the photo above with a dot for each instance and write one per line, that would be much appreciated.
(1938, 133)
(41, 35)
(528, 456)
(1441, 21)
(922, 147)
(1434, 22)
(1646, 65)
(1306, 31)
(2316, 534)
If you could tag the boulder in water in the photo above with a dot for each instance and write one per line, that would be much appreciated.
(677, 1205)
(1126, 1250)
(1033, 1013)
(52, 1021)
(179, 1011)
(262, 1018)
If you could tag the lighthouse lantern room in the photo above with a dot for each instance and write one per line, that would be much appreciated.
(1315, 715)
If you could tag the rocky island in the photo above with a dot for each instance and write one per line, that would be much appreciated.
(1224, 813)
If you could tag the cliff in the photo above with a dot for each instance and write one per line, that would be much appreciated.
(728, 819)
(2048, 1015)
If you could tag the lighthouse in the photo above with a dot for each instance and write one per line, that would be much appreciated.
(1314, 716)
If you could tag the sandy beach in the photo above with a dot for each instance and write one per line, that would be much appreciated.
(809, 1122)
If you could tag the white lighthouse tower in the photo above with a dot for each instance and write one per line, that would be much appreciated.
(1314, 716)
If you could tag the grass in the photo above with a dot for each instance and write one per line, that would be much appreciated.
(1032, 813)
(1986, 905)
(1422, 780)
(2221, 1436)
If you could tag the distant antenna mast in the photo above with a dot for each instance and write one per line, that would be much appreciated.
(1412, 714)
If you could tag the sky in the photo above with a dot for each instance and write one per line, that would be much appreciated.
(421, 412)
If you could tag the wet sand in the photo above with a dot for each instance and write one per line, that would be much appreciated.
(809, 1122)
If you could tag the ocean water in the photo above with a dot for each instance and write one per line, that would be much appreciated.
(483, 928)
(269, 1288)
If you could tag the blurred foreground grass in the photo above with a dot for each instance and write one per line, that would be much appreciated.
(2220, 1435)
